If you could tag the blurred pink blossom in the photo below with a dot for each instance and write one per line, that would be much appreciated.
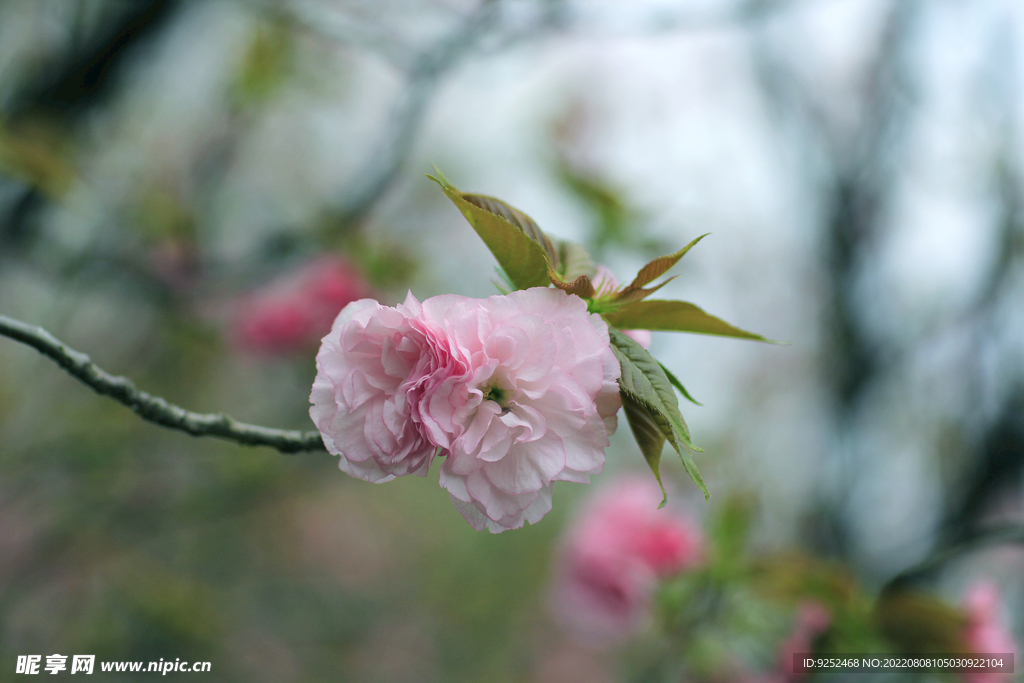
(987, 632)
(812, 619)
(605, 283)
(641, 337)
(515, 392)
(613, 555)
(292, 313)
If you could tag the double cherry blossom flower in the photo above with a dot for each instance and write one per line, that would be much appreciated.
(615, 552)
(515, 392)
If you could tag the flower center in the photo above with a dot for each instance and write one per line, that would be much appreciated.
(497, 394)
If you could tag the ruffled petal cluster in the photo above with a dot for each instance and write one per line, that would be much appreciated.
(361, 395)
(514, 392)
(613, 555)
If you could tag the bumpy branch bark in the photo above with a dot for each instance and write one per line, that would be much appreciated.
(154, 408)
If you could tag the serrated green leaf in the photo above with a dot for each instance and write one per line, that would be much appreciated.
(648, 437)
(659, 267)
(575, 260)
(625, 297)
(643, 377)
(440, 178)
(674, 316)
(679, 385)
(644, 381)
(519, 253)
(516, 218)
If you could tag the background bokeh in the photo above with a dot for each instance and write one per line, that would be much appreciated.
(168, 165)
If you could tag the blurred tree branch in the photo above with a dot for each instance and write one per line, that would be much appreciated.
(983, 538)
(855, 188)
(389, 153)
(424, 70)
(84, 75)
(75, 81)
(863, 160)
(337, 26)
(154, 408)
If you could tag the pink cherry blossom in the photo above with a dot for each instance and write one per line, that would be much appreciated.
(615, 552)
(812, 619)
(293, 312)
(515, 392)
(364, 389)
(536, 403)
(987, 632)
(605, 283)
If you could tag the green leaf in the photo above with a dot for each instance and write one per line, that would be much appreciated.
(659, 267)
(575, 260)
(624, 297)
(440, 178)
(516, 218)
(510, 234)
(648, 437)
(644, 381)
(679, 385)
(674, 316)
(581, 286)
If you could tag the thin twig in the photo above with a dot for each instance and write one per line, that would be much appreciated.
(154, 408)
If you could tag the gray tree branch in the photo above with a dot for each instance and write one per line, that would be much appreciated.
(1003, 534)
(154, 408)
(387, 156)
